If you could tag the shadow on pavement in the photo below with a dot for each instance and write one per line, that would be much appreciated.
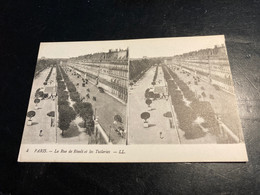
(167, 114)
(71, 132)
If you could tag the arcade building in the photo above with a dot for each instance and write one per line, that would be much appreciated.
(211, 64)
(108, 70)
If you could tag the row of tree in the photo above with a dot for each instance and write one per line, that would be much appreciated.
(203, 108)
(139, 67)
(83, 109)
(43, 64)
(155, 75)
(74, 95)
(66, 112)
(187, 114)
(48, 76)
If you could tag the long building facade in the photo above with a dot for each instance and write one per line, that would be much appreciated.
(108, 70)
(211, 64)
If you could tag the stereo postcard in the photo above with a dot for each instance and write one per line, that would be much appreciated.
(140, 100)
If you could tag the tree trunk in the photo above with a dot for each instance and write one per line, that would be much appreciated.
(85, 125)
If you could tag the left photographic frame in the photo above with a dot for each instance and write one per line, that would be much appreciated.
(79, 94)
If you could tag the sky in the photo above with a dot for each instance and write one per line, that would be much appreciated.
(172, 46)
(74, 49)
(138, 48)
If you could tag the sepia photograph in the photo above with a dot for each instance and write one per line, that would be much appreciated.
(181, 92)
(79, 94)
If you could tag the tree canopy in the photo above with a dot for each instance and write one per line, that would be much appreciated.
(118, 118)
(31, 114)
(148, 102)
(145, 115)
(66, 115)
(36, 101)
(85, 111)
(51, 114)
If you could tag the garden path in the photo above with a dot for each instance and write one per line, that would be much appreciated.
(138, 134)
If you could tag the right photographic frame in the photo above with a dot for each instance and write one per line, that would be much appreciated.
(181, 92)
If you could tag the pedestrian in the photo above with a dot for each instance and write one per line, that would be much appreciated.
(41, 134)
(82, 99)
(161, 135)
(220, 127)
(163, 96)
(53, 124)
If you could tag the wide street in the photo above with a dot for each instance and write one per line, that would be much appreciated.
(41, 121)
(160, 131)
(105, 107)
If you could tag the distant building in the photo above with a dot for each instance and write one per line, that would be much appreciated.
(108, 70)
(211, 64)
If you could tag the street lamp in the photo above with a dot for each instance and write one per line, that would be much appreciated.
(96, 129)
(109, 133)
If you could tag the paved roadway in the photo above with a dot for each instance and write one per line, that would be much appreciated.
(138, 134)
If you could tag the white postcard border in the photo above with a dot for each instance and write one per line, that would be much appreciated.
(133, 153)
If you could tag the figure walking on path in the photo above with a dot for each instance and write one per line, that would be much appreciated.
(161, 135)
(163, 95)
(41, 134)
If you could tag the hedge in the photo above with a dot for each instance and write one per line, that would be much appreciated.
(155, 74)
(47, 78)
